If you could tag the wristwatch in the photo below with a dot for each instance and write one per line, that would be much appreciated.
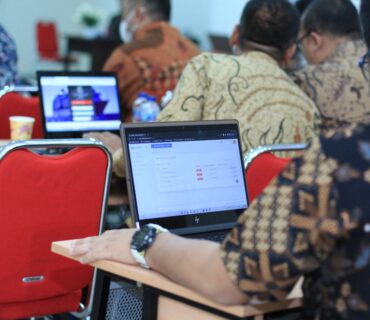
(142, 240)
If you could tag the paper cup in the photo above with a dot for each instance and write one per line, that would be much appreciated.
(21, 128)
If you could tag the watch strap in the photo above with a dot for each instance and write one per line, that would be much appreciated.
(139, 256)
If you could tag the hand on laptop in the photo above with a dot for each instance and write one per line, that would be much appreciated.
(112, 141)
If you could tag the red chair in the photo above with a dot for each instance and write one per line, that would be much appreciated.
(14, 104)
(48, 45)
(262, 166)
(45, 199)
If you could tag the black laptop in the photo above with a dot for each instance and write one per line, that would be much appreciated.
(73, 103)
(187, 176)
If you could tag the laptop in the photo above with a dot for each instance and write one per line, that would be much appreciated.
(73, 103)
(186, 176)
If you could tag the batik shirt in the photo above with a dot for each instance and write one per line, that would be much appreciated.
(313, 220)
(8, 59)
(338, 86)
(152, 63)
(251, 88)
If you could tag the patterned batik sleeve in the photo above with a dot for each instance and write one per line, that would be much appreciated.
(287, 231)
(188, 100)
(8, 59)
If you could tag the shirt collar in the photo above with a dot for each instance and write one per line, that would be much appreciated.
(354, 49)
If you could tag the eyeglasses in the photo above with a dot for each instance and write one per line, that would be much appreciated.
(364, 65)
(299, 41)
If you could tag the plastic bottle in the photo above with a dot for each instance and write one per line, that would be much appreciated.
(136, 108)
(145, 108)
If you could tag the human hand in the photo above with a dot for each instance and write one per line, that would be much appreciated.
(111, 141)
(111, 245)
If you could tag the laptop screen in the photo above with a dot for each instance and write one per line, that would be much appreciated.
(79, 102)
(186, 170)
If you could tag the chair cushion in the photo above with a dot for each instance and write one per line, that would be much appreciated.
(59, 304)
(261, 171)
(45, 199)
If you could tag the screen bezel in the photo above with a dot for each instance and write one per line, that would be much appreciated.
(202, 222)
(73, 134)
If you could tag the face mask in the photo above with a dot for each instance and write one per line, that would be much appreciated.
(125, 33)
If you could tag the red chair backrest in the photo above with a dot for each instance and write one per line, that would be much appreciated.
(261, 171)
(13, 104)
(47, 40)
(45, 199)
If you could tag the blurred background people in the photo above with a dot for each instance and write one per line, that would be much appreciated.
(298, 61)
(154, 53)
(250, 87)
(330, 39)
(307, 222)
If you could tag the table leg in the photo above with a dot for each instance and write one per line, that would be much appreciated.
(100, 300)
(150, 304)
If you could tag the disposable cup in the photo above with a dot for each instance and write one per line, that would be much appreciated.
(21, 127)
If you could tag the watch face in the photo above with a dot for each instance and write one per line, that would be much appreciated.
(143, 239)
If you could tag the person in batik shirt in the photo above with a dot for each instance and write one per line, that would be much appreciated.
(153, 55)
(330, 39)
(313, 220)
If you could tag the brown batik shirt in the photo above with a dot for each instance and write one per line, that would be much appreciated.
(251, 88)
(152, 63)
(313, 220)
(338, 86)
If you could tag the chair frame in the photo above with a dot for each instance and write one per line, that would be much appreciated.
(18, 89)
(254, 153)
(67, 143)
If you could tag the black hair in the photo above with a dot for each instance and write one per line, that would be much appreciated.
(302, 5)
(365, 20)
(337, 18)
(272, 23)
(157, 9)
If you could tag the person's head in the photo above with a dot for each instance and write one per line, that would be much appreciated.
(138, 13)
(270, 26)
(325, 25)
(365, 21)
(302, 5)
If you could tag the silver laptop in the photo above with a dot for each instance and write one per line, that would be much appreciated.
(186, 176)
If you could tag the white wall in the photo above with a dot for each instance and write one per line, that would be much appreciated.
(225, 15)
(357, 3)
(22, 26)
(192, 18)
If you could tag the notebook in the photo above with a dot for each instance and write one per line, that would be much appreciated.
(186, 176)
(73, 103)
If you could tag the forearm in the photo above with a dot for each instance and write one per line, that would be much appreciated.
(194, 264)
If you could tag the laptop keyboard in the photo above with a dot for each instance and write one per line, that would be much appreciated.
(216, 236)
